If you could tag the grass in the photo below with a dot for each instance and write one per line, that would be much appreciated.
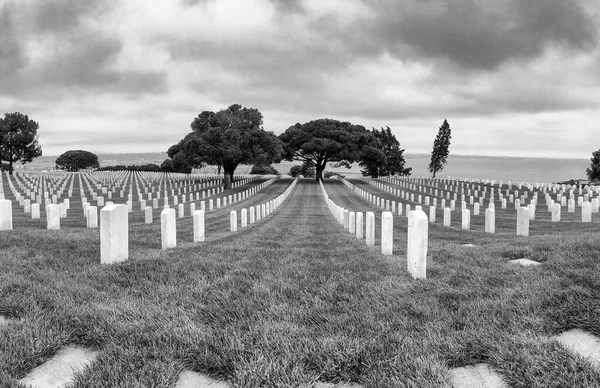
(293, 299)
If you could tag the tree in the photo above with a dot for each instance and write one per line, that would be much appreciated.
(593, 172)
(439, 154)
(260, 169)
(231, 137)
(75, 160)
(319, 142)
(384, 157)
(18, 139)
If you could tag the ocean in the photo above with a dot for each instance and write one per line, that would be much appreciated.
(515, 169)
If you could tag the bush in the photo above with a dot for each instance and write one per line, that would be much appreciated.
(329, 174)
(264, 170)
(306, 170)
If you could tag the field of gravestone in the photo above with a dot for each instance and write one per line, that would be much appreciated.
(295, 296)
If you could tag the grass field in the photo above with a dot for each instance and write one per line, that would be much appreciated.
(294, 299)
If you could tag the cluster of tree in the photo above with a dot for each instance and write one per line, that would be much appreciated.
(18, 139)
(235, 136)
(261, 169)
(150, 167)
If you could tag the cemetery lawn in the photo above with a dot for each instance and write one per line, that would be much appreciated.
(294, 299)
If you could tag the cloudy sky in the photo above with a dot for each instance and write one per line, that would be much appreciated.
(513, 77)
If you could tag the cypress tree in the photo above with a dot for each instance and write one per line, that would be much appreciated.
(439, 154)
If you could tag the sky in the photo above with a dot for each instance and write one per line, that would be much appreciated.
(512, 77)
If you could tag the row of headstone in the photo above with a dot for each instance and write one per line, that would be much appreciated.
(253, 214)
(417, 238)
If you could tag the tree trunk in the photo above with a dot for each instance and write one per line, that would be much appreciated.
(10, 166)
(319, 172)
(228, 171)
(433, 174)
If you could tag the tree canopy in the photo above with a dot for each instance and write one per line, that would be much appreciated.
(440, 152)
(75, 160)
(593, 172)
(18, 139)
(227, 138)
(384, 156)
(321, 141)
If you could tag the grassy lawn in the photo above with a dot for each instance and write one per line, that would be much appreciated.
(294, 299)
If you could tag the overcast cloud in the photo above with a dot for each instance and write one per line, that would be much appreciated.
(513, 77)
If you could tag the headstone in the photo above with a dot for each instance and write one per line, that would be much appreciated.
(359, 224)
(370, 229)
(432, 214)
(53, 217)
(114, 234)
(168, 228)
(233, 221)
(466, 219)
(387, 233)
(571, 206)
(352, 222)
(523, 221)
(251, 215)
(148, 215)
(586, 212)
(198, 220)
(416, 252)
(556, 208)
(92, 217)
(35, 211)
(244, 217)
(490, 220)
(6, 214)
(447, 216)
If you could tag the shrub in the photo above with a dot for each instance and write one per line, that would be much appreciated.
(264, 170)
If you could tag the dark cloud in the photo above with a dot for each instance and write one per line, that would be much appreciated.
(11, 54)
(62, 16)
(477, 34)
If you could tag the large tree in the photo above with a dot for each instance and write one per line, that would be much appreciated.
(319, 142)
(228, 138)
(593, 172)
(440, 152)
(18, 139)
(384, 157)
(75, 160)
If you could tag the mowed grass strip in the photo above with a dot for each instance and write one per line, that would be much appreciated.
(294, 300)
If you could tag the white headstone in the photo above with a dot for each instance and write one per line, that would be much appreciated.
(198, 219)
(466, 219)
(114, 234)
(490, 220)
(586, 212)
(168, 228)
(244, 217)
(359, 224)
(6, 214)
(387, 233)
(233, 221)
(370, 229)
(92, 217)
(523, 221)
(416, 251)
(53, 217)
(447, 216)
